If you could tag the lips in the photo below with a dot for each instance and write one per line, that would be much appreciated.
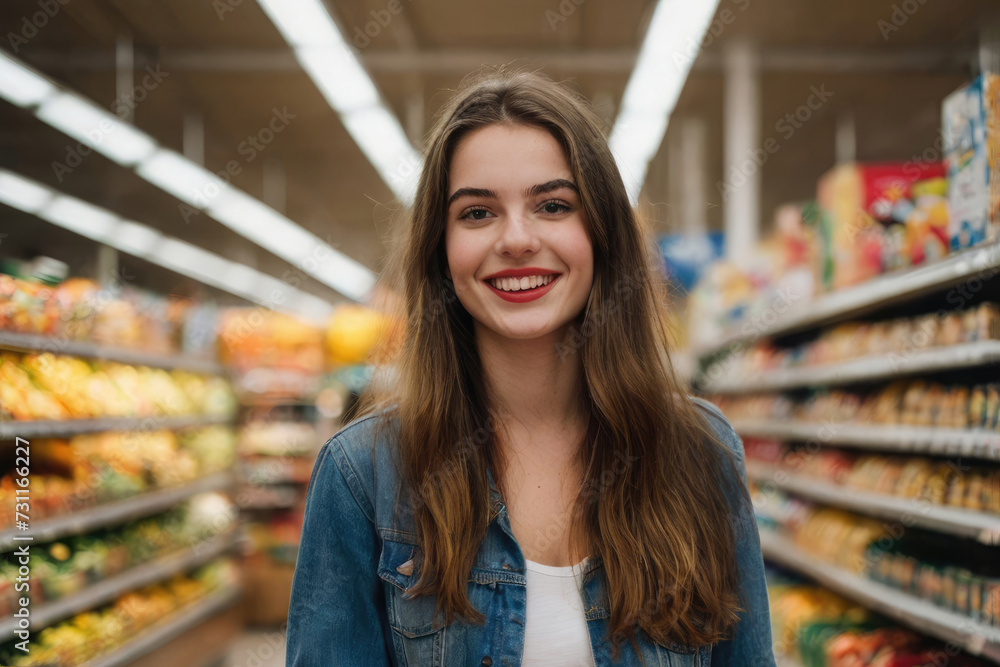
(523, 295)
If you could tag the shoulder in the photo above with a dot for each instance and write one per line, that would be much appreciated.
(366, 453)
(720, 426)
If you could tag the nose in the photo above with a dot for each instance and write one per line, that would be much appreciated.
(517, 237)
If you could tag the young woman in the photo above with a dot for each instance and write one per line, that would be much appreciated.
(536, 489)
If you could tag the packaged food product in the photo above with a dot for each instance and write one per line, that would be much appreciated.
(970, 119)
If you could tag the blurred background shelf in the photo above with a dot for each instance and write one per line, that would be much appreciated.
(206, 626)
(910, 610)
(865, 369)
(880, 291)
(54, 428)
(914, 439)
(979, 526)
(109, 514)
(20, 342)
(43, 615)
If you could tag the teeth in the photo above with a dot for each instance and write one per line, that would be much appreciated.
(518, 284)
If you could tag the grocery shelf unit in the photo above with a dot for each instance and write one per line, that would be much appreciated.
(902, 291)
(20, 342)
(107, 590)
(205, 626)
(194, 633)
(910, 610)
(981, 526)
(883, 290)
(865, 369)
(910, 439)
(44, 428)
(113, 513)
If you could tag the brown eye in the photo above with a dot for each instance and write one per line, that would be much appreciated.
(554, 207)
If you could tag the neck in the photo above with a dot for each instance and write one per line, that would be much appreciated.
(535, 384)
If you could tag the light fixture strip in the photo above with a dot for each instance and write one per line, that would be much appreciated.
(143, 241)
(121, 142)
(331, 63)
(665, 58)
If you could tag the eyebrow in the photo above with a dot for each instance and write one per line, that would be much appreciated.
(533, 191)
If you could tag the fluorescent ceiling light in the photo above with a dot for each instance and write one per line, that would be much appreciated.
(263, 225)
(340, 77)
(142, 241)
(92, 126)
(661, 69)
(330, 62)
(278, 234)
(301, 22)
(20, 85)
(23, 194)
(78, 216)
(175, 174)
(136, 239)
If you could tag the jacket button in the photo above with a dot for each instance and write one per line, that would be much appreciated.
(487, 661)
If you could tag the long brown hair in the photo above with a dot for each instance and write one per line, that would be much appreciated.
(651, 504)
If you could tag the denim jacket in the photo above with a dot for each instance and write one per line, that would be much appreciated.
(349, 607)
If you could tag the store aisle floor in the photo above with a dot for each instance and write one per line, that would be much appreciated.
(258, 647)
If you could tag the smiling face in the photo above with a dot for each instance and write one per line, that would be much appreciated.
(517, 246)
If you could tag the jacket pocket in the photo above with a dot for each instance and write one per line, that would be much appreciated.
(418, 637)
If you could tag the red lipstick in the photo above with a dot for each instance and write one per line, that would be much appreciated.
(522, 296)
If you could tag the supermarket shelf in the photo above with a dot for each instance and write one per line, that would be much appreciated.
(915, 612)
(19, 342)
(965, 523)
(865, 369)
(109, 514)
(105, 591)
(52, 428)
(912, 439)
(267, 498)
(177, 624)
(893, 287)
(278, 471)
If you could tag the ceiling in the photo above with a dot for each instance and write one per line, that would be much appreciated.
(224, 63)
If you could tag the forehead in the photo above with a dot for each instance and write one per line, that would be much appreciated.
(505, 154)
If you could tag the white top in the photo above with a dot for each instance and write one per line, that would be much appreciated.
(555, 632)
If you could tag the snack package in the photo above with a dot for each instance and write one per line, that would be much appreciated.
(970, 119)
(856, 204)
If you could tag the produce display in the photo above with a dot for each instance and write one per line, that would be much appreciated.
(72, 564)
(820, 629)
(256, 337)
(94, 633)
(357, 335)
(962, 485)
(91, 469)
(79, 310)
(854, 340)
(905, 403)
(48, 386)
(278, 438)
